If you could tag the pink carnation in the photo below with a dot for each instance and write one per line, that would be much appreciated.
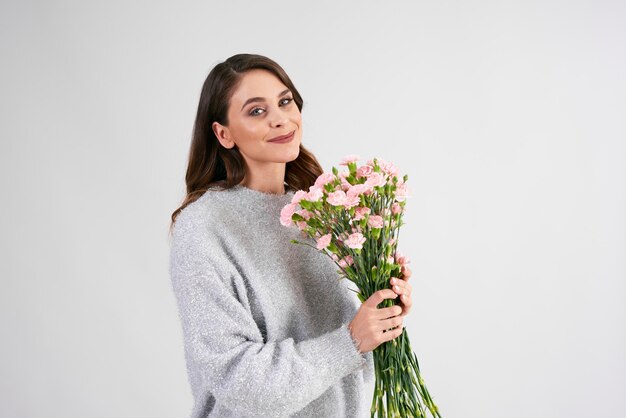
(324, 179)
(387, 167)
(323, 241)
(315, 194)
(359, 189)
(364, 171)
(301, 225)
(351, 158)
(285, 214)
(298, 196)
(375, 221)
(402, 192)
(337, 198)
(376, 179)
(396, 208)
(346, 261)
(351, 201)
(402, 259)
(355, 240)
(360, 212)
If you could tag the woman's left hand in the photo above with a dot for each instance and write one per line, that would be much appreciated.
(403, 288)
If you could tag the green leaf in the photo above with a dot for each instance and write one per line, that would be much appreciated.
(305, 204)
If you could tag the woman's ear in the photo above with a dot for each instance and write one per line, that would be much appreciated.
(223, 135)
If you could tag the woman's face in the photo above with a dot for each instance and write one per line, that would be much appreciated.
(262, 109)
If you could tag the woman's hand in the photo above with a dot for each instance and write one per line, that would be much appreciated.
(373, 326)
(402, 287)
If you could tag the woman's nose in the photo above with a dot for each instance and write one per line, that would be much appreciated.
(279, 120)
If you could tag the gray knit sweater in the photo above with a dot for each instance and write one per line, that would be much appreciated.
(263, 319)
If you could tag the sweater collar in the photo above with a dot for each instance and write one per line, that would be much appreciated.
(263, 197)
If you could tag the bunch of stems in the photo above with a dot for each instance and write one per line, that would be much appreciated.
(399, 387)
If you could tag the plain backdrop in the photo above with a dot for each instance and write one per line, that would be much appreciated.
(508, 117)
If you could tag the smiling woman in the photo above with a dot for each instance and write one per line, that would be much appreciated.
(261, 112)
(268, 329)
(264, 124)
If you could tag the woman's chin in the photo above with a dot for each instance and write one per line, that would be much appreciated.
(293, 155)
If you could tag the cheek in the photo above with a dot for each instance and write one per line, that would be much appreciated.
(249, 129)
(297, 117)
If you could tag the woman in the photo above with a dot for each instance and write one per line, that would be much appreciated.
(268, 329)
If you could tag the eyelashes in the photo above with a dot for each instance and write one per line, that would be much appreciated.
(257, 111)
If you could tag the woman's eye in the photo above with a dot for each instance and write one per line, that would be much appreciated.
(256, 111)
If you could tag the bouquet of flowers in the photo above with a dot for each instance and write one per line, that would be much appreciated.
(355, 218)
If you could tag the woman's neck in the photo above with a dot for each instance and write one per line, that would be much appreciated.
(269, 178)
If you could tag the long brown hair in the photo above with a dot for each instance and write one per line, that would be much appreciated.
(209, 162)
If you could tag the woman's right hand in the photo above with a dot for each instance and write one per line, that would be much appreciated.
(369, 322)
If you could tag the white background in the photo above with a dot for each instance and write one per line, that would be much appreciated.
(508, 117)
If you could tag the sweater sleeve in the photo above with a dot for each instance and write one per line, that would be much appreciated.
(226, 348)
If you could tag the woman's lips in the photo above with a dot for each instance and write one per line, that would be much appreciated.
(282, 139)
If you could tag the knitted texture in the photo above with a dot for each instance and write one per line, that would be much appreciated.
(264, 320)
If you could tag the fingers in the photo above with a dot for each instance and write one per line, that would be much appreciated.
(384, 313)
(407, 303)
(406, 272)
(374, 326)
(388, 324)
(377, 297)
(394, 333)
(400, 286)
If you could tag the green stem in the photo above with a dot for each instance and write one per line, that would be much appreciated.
(399, 389)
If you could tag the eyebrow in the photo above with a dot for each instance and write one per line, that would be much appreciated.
(261, 99)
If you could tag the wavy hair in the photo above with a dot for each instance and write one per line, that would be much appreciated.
(210, 164)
